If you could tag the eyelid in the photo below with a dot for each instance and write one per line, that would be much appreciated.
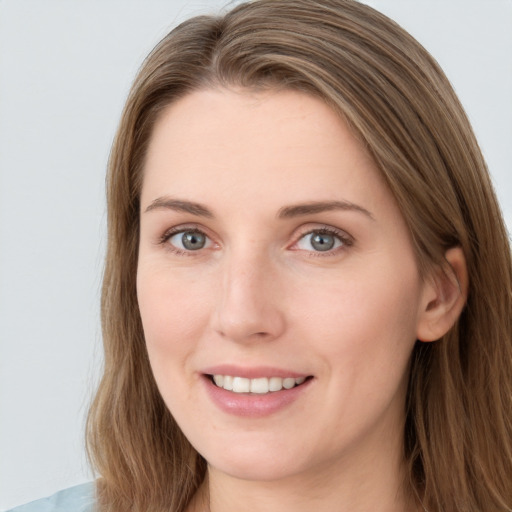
(308, 229)
(182, 228)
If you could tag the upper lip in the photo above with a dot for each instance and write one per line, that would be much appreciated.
(252, 372)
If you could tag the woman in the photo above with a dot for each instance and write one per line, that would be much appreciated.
(307, 295)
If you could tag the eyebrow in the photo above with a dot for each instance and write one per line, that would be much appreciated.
(286, 212)
(319, 207)
(168, 203)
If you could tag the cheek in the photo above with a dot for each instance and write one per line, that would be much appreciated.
(173, 317)
(362, 300)
(361, 331)
(365, 323)
(170, 320)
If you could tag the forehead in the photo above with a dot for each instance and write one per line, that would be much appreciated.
(226, 117)
(219, 143)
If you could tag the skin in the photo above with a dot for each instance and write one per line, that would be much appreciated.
(260, 294)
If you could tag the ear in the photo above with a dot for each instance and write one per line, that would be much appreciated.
(444, 296)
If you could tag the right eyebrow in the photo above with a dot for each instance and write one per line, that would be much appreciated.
(179, 205)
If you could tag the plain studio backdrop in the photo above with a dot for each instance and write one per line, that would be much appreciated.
(65, 70)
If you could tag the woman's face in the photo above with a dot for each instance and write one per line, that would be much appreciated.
(274, 260)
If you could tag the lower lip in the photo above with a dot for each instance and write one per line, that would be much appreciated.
(253, 405)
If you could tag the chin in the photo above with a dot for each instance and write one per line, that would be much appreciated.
(260, 461)
(256, 471)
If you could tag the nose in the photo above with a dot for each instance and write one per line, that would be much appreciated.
(249, 306)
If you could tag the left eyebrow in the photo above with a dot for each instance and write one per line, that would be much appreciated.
(320, 206)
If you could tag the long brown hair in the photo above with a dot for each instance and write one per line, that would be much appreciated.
(458, 431)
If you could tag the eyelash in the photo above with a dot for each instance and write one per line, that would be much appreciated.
(344, 238)
(164, 239)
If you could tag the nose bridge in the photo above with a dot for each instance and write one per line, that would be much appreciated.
(248, 306)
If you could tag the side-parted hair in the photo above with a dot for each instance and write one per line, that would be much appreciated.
(458, 431)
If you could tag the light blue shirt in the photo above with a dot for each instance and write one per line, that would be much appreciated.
(80, 498)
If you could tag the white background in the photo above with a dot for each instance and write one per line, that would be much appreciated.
(65, 70)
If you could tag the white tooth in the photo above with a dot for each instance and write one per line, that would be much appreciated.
(275, 384)
(288, 383)
(241, 385)
(228, 382)
(259, 385)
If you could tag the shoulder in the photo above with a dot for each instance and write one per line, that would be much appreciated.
(80, 498)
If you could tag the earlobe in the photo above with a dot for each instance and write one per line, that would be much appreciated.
(444, 296)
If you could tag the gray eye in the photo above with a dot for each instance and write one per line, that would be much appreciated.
(193, 240)
(189, 240)
(322, 241)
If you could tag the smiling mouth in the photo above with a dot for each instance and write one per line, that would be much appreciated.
(260, 386)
